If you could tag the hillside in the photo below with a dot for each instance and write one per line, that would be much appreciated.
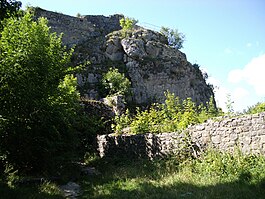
(143, 55)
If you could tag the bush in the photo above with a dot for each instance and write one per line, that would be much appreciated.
(174, 37)
(128, 23)
(257, 108)
(174, 115)
(231, 165)
(115, 83)
(38, 97)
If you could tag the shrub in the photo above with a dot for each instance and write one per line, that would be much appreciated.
(128, 23)
(38, 97)
(173, 115)
(231, 165)
(257, 108)
(174, 37)
(115, 83)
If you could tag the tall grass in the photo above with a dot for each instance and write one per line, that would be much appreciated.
(213, 175)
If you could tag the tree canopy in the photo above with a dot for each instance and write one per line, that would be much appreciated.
(9, 8)
(175, 38)
(38, 95)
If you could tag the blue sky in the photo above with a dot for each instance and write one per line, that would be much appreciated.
(225, 37)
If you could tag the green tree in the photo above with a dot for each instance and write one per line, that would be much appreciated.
(128, 23)
(9, 8)
(257, 108)
(38, 96)
(115, 83)
(174, 37)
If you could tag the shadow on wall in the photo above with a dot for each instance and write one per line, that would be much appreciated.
(147, 146)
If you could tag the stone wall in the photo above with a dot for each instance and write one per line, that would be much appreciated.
(246, 132)
(77, 30)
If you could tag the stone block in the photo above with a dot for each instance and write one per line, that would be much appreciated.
(216, 139)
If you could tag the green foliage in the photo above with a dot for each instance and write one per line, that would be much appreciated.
(9, 8)
(175, 38)
(50, 188)
(173, 115)
(257, 108)
(243, 177)
(10, 175)
(38, 96)
(115, 83)
(229, 105)
(231, 166)
(128, 23)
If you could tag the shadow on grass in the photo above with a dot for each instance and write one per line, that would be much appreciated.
(143, 179)
(235, 190)
(24, 192)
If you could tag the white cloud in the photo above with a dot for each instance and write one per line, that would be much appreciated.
(220, 92)
(240, 93)
(253, 74)
(235, 76)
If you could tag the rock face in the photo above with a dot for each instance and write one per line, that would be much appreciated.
(151, 65)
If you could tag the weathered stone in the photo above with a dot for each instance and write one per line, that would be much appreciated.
(159, 145)
(134, 48)
(216, 139)
(71, 190)
(233, 136)
(200, 127)
(153, 66)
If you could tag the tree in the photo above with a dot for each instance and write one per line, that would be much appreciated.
(257, 108)
(38, 96)
(174, 37)
(128, 23)
(9, 8)
(115, 83)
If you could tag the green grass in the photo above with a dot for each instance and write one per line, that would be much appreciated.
(27, 192)
(215, 175)
(44, 191)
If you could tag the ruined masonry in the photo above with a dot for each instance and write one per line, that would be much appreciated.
(246, 133)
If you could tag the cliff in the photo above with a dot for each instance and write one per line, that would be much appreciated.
(151, 65)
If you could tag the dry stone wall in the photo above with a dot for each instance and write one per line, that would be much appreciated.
(246, 132)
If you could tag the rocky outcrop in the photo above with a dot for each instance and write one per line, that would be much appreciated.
(152, 66)
(77, 30)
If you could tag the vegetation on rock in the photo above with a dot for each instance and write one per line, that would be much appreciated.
(115, 83)
(256, 108)
(175, 38)
(173, 115)
(128, 23)
(43, 127)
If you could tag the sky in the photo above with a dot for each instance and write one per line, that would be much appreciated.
(225, 37)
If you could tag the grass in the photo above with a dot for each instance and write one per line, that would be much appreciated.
(44, 191)
(215, 175)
